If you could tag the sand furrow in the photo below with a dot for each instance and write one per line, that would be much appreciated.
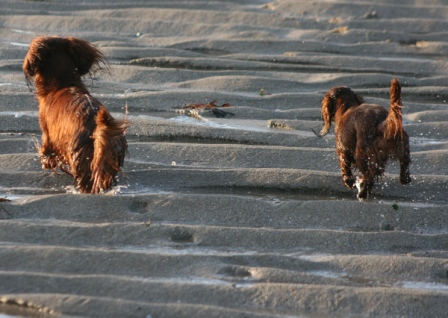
(252, 238)
(264, 297)
(250, 206)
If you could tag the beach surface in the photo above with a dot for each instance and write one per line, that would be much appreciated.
(239, 216)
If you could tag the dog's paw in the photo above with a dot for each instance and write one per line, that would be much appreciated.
(48, 163)
(405, 178)
(362, 196)
(348, 181)
(359, 185)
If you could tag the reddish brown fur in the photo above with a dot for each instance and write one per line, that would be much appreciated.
(79, 136)
(335, 103)
(367, 135)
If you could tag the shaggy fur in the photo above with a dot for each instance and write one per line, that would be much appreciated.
(79, 136)
(367, 136)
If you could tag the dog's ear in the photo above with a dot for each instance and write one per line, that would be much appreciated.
(359, 99)
(28, 66)
(38, 54)
(85, 56)
(327, 112)
(32, 59)
(29, 69)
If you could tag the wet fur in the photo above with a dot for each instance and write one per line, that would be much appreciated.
(79, 136)
(367, 136)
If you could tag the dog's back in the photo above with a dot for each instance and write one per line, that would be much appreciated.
(371, 121)
(359, 125)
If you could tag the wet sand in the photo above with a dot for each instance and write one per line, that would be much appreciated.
(242, 216)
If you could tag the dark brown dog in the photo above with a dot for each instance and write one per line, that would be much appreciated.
(79, 136)
(367, 136)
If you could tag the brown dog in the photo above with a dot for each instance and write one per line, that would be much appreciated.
(367, 136)
(79, 136)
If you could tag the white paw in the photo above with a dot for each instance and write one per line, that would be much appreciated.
(358, 184)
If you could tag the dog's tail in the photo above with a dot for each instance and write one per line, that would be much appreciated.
(110, 148)
(393, 125)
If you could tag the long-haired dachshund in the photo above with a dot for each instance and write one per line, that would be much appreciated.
(367, 136)
(79, 136)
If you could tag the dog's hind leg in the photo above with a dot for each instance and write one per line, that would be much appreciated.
(345, 162)
(45, 150)
(47, 155)
(405, 175)
(367, 167)
(405, 160)
(110, 147)
(365, 185)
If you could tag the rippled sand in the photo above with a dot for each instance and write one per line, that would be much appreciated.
(242, 216)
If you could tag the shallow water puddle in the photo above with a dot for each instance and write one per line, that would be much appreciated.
(274, 196)
(20, 113)
(232, 124)
(424, 286)
(421, 141)
(27, 192)
(193, 280)
(200, 121)
(328, 274)
(184, 119)
(315, 257)
(11, 197)
(136, 190)
(186, 250)
(21, 31)
(413, 204)
(431, 286)
(19, 44)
